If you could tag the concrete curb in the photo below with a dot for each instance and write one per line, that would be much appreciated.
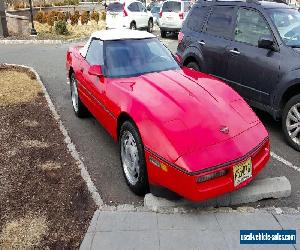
(71, 147)
(35, 41)
(277, 187)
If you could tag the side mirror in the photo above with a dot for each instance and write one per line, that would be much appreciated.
(95, 70)
(266, 42)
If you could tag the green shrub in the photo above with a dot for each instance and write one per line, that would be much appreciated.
(39, 17)
(85, 17)
(61, 27)
(103, 15)
(95, 16)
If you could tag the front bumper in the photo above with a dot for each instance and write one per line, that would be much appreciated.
(186, 185)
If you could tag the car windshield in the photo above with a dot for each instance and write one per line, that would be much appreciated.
(287, 22)
(127, 58)
(115, 7)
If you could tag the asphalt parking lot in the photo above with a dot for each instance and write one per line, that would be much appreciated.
(100, 153)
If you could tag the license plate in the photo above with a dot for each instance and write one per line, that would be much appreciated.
(242, 172)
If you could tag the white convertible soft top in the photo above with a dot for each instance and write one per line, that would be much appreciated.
(115, 34)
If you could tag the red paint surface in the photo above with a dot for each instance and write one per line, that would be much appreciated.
(179, 114)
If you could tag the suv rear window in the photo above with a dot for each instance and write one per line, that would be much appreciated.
(171, 7)
(220, 21)
(115, 7)
(197, 18)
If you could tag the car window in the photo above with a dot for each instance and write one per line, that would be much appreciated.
(94, 54)
(133, 7)
(115, 7)
(220, 21)
(197, 18)
(171, 7)
(141, 7)
(250, 26)
(186, 6)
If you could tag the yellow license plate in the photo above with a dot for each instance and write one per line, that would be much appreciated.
(242, 172)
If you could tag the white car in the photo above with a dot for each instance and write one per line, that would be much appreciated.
(130, 14)
(172, 14)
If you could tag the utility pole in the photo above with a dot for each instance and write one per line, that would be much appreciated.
(3, 23)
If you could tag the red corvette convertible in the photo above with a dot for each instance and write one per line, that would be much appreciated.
(177, 128)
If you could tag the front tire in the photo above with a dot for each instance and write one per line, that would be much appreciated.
(291, 122)
(133, 26)
(150, 26)
(78, 107)
(133, 158)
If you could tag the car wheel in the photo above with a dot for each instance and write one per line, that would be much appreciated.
(78, 107)
(193, 65)
(163, 34)
(150, 26)
(133, 159)
(291, 122)
(133, 26)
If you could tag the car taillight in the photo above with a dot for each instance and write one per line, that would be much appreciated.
(160, 14)
(124, 11)
(181, 15)
(211, 176)
(180, 37)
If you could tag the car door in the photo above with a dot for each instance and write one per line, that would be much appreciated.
(94, 86)
(144, 15)
(215, 40)
(253, 71)
(135, 14)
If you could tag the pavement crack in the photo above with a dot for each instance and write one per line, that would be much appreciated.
(222, 232)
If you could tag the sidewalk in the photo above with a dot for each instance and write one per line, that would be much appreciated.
(198, 230)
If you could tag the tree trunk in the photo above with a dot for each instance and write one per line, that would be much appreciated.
(3, 23)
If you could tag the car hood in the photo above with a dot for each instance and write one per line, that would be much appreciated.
(191, 110)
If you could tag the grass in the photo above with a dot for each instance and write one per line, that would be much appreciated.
(77, 31)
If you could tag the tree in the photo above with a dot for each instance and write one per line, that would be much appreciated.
(3, 23)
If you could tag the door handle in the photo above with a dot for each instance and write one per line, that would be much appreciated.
(81, 69)
(201, 42)
(234, 51)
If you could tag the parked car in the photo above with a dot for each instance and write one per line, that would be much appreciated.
(136, 89)
(255, 48)
(155, 11)
(131, 15)
(172, 14)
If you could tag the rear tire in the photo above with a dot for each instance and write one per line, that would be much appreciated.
(163, 33)
(193, 65)
(150, 26)
(291, 122)
(79, 109)
(133, 158)
(133, 26)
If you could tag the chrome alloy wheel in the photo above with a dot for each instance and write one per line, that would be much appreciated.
(74, 94)
(130, 158)
(293, 123)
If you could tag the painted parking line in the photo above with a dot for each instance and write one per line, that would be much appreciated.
(284, 161)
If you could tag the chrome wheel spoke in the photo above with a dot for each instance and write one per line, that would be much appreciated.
(293, 126)
(292, 117)
(296, 112)
(295, 133)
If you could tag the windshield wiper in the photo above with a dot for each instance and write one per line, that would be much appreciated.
(295, 46)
